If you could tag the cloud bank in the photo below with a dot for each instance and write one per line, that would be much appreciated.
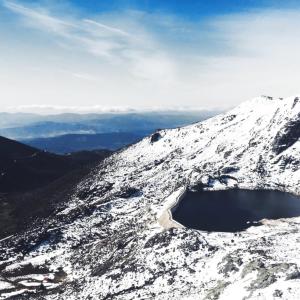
(137, 59)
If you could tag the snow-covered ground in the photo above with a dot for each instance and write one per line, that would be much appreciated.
(108, 243)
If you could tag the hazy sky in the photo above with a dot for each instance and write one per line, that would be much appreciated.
(146, 53)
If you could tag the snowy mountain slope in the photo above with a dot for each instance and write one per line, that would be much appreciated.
(108, 243)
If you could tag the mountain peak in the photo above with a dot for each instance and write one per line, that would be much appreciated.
(109, 239)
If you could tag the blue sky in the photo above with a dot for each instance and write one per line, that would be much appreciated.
(186, 8)
(190, 9)
(119, 54)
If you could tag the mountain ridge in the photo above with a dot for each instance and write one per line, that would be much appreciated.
(110, 245)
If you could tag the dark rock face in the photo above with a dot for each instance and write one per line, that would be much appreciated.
(227, 170)
(229, 118)
(287, 136)
(155, 137)
(163, 239)
(296, 100)
(230, 263)
(128, 192)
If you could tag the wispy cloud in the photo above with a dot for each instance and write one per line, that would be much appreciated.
(137, 51)
(40, 20)
(107, 28)
(97, 38)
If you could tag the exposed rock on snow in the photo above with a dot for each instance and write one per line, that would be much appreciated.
(155, 137)
(107, 242)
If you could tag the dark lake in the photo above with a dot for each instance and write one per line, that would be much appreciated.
(233, 210)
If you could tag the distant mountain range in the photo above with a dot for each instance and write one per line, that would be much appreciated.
(30, 126)
(79, 142)
(69, 132)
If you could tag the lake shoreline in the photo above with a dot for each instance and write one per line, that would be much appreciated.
(166, 219)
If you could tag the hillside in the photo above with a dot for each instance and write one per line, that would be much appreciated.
(34, 182)
(23, 168)
(113, 238)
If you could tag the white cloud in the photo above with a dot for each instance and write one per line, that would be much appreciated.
(58, 109)
(86, 76)
(133, 58)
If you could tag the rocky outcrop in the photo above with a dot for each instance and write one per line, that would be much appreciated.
(287, 136)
